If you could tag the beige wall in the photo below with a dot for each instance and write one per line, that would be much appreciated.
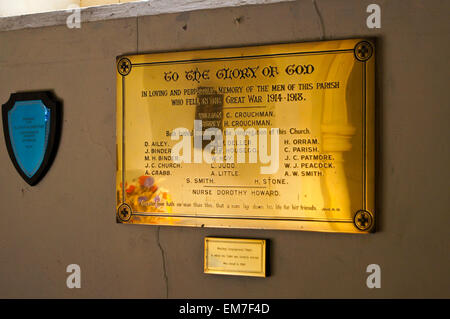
(70, 216)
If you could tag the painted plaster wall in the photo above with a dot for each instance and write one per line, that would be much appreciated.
(70, 216)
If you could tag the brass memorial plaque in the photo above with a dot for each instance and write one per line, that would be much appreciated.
(269, 137)
(235, 256)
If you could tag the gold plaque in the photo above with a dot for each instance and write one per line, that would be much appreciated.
(235, 256)
(267, 137)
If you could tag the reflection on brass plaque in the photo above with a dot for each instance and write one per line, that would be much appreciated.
(269, 137)
(235, 256)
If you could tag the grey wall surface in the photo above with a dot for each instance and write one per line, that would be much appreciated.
(70, 216)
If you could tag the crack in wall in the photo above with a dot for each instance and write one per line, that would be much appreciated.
(88, 133)
(319, 15)
(163, 255)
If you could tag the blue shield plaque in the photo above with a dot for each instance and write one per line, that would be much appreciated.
(31, 125)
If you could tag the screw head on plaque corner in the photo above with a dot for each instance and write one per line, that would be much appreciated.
(124, 66)
(124, 212)
(363, 51)
(363, 220)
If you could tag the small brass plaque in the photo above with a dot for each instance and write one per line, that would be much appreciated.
(267, 137)
(235, 256)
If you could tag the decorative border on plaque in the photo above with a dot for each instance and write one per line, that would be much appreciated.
(363, 51)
